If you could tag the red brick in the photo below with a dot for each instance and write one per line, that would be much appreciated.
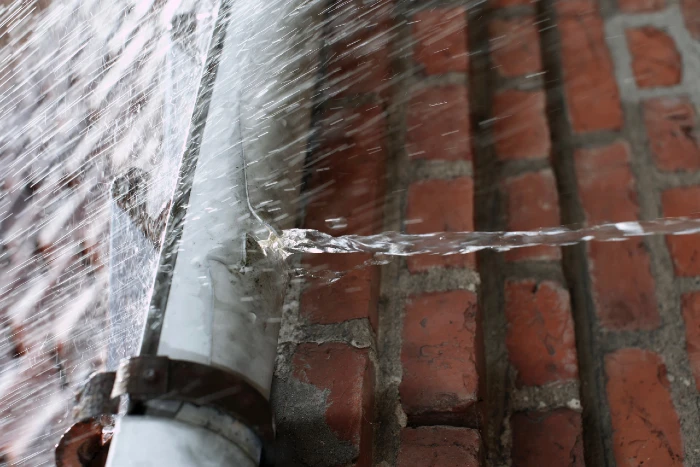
(623, 285)
(592, 95)
(532, 203)
(691, 315)
(349, 172)
(359, 46)
(353, 296)
(439, 446)
(624, 289)
(515, 46)
(547, 438)
(440, 37)
(508, 3)
(521, 130)
(691, 16)
(439, 356)
(655, 59)
(670, 124)
(438, 124)
(576, 7)
(646, 430)
(540, 338)
(641, 6)
(362, 65)
(606, 183)
(685, 249)
(440, 206)
(348, 376)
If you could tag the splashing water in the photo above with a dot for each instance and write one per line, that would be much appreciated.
(453, 243)
(385, 245)
(87, 90)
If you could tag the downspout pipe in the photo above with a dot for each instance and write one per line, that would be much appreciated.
(197, 394)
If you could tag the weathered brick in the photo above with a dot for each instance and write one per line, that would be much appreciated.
(515, 46)
(508, 3)
(691, 16)
(360, 66)
(691, 316)
(440, 206)
(532, 203)
(623, 286)
(655, 59)
(440, 37)
(576, 7)
(520, 129)
(646, 430)
(440, 378)
(540, 338)
(359, 48)
(685, 249)
(547, 438)
(347, 374)
(670, 124)
(348, 172)
(592, 95)
(355, 295)
(641, 6)
(438, 124)
(604, 174)
(439, 446)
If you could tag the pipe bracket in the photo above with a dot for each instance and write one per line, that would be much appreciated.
(161, 379)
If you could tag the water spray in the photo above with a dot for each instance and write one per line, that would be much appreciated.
(197, 392)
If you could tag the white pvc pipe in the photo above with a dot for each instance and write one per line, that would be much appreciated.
(209, 318)
(222, 310)
(157, 442)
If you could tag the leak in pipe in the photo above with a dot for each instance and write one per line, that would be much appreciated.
(197, 393)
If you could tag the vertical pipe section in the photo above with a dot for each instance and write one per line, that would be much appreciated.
(218, 295)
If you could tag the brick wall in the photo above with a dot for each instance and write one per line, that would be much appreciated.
(532, 366)
(326, 386)
(636, 374)
(384, 365)
(513, 115)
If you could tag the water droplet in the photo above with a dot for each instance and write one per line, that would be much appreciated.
(337, 223)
